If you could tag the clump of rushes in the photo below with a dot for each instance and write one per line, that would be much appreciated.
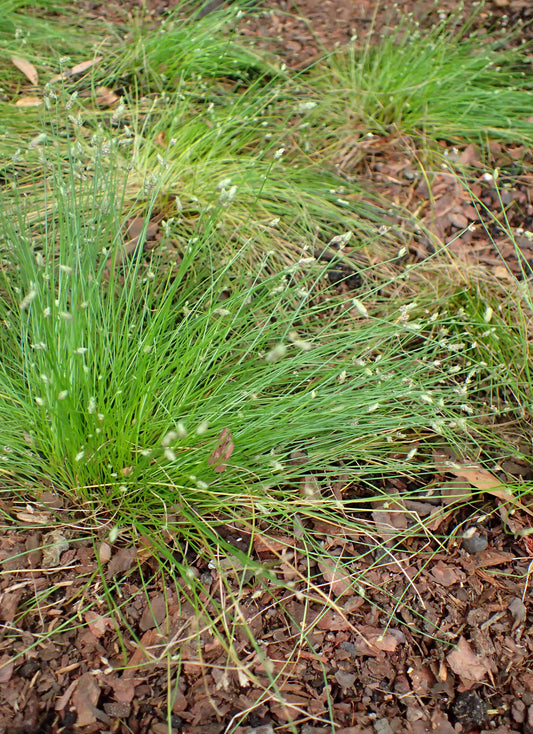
(447, 82)
(196, 387)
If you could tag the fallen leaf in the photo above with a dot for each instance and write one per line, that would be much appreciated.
(65, 698)
(84, 65)
(458, 219)
(338, 578)
(223, 451)
(7, 663)
(264, 544)
(28, 102)
(77, 69)
(106, 97)
(122, 561)
(333, 621)
(27, 68)
(9, 602)
(446, 575)
(123, 690)
(147, 648)
(466, 664)
(85, 699)
(104, 552)
(35, 518)
(344, 679)
(154, 614)
(54, 544)
(373, 640)
(98, 624)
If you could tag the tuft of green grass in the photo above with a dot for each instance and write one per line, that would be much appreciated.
(447, 82)
(120, 379)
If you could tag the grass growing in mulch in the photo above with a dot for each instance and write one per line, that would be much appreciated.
(265, 390)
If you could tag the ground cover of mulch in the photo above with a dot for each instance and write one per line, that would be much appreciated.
(434, 637)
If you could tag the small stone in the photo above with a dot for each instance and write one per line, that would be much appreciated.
(474, 542)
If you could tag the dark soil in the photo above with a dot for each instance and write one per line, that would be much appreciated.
(439, 637)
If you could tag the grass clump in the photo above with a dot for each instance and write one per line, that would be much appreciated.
(119, 379)
(448, 82)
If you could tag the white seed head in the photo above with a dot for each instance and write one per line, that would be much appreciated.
(169, 438)
(169, 454)
(28, 298)
(202, 428)
(278, 352)
(360, 307)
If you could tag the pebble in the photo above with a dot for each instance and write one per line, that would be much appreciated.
(474, 543)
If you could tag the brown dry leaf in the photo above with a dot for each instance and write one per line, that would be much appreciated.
(106, 97)
(9, 602)
(28, 102)
(98, 624)
(35, 518)
(123, 690)
(458, 219)
(470, 156)
(122, 561)
(373, 640)
(264, 544)
(27, 68)
(483, 480)
(65, 698)
(104, 552)
(85, 699)
(7, 663)
(466, 664)
(338, 578)
(154, 614)
(77, 69)
(446, 575)
(333, 621)
(223, 451)
(145, 650)
(54, 544)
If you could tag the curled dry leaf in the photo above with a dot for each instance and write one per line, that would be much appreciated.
(106, 97)
(54, 544)
(338, 577)
(27, 68)
(7, 663)
(98, 624)
(466, 664)
(122, 561)
(85, 699)
(223, 451)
